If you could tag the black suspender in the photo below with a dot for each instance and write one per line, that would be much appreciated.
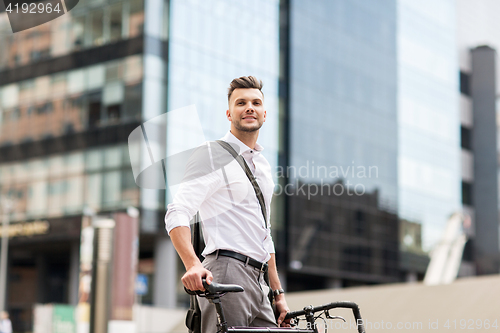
(249, 174)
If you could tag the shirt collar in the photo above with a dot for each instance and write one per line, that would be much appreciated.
(230, 138)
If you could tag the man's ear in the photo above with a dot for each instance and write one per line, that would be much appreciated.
(265, 113)
(228, 115)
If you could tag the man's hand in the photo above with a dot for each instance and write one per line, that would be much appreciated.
(192, 278)
(181, 238)
(282, 309)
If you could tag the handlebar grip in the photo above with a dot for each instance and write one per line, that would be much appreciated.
(293, 314)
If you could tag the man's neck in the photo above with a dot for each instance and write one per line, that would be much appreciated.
(248, 138)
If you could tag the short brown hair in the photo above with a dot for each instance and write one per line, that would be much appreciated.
(248, 82)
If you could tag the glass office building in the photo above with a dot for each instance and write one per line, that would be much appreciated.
(343, 132)
(71, 91)
(428, 117)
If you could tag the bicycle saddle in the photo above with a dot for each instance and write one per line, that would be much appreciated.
(216, 288)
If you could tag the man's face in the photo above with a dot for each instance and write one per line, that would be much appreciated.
(246, 109)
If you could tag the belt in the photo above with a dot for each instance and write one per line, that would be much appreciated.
(262, 266)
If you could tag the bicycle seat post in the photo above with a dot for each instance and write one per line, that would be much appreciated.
(221, 319)
(213, 293)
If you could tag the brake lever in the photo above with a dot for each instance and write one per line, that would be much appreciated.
(294, 322)
(327, 314)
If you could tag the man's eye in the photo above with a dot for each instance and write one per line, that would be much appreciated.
(256, 103)
(240, 103)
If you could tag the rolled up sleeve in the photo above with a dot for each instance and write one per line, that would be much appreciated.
(188, 200)
(268, 242)
(176, 217)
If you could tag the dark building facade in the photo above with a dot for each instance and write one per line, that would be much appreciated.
(480, 191)
(341, 239)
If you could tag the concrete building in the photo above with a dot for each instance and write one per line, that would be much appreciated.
(477, 41)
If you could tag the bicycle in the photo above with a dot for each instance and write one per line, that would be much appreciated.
(214, 292)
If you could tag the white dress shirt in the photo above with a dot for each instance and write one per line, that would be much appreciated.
(230, 211)
(5, 326)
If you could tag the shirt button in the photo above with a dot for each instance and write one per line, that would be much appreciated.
(251, 151)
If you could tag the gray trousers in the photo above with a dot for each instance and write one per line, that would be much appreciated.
(248, 308)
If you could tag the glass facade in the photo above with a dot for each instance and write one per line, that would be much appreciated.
(90, 24)
(62, 185)
(71, 90)
(343, 83)
(428, 120)
(74, 101)
(209, 45)
(343, 139)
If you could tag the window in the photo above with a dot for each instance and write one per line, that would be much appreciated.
(113, 113)
(15, 114)
(133, 101)
(35, 55)
(466, 138)
(78, 31)
(136, 20)
(115, 29)
(94, 109)
(465, 83)
(97, 28)
(467, 193)
(45, 108)
(111, 189)
(359, 222)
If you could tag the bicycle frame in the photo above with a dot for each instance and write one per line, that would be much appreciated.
(215, 291)
(308, 312)
(222, 324)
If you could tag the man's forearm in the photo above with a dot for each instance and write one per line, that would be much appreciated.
(280, 302)
(274, 279)
(181, 238)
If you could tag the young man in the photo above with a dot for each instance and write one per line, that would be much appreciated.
(237, 237)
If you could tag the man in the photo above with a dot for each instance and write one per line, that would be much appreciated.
(237, 237)
(5, 324)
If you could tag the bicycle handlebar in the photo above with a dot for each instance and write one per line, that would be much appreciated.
(341, 304)
(217, 290)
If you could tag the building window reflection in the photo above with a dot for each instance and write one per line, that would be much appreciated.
(136, 20)
(78, 32)
(466, 193)
(62, 185)
(68, 102)
(96, 27)
(115, 22)
(82, 27)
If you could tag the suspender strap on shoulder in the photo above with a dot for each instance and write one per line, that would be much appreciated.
(249, 174)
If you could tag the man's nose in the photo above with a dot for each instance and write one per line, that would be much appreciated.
(250, 108)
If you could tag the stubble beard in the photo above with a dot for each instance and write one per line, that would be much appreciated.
(240, 127)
